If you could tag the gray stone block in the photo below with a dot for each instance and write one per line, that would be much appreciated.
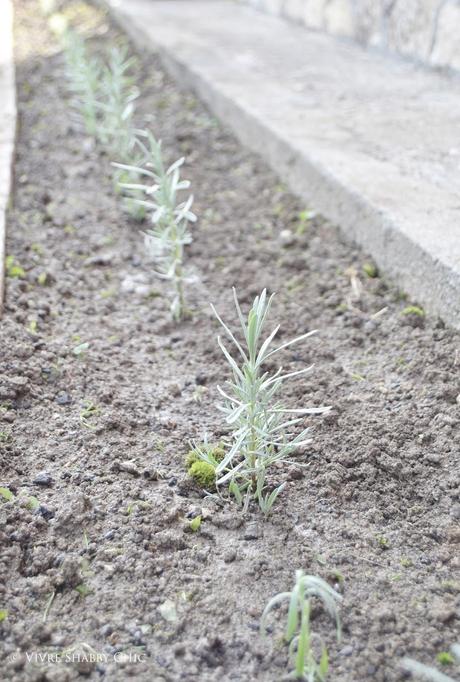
(410, 27)
(423, 30)
(294, 9)
(446, 47)
(339, 18)
(370, 142)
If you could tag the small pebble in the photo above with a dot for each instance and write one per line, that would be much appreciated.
(100, 259)
(150, 474)
(63, 398)
(295, 473)
(44, 479)
(46, 513)
(229, 556)
(127, 466)
(287, 238)
(174, 390)
(346, 651)
(369, 327)
(251, 532)
(106, 630)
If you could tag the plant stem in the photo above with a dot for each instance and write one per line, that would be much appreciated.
(303, 644)
(48, 606)
(178, 279)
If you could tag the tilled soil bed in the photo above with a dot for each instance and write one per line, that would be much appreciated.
(97, 433)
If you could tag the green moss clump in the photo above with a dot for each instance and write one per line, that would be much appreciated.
(383, 542)
(204, 474)
(13, 269)
(195, 524)
(413, 310)
(445, 658)
(191, 457)
(6, 494)
(203, 471)
(370, 270)
(218, 452)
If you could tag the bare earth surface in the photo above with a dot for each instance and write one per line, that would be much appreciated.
(377, 509)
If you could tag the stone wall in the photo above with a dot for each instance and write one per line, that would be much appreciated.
(425, 30)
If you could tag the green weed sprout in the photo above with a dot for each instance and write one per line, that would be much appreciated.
(426, 672)
(201, 463)
(84, 75)
(213, 453)
(413, 310)
(169, 216)
(261, 432)
(298, 632)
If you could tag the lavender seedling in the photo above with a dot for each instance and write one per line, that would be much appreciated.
(116, 104)
(117, 131)
(104, 94)
(169, 216)
(262, 432)
(425, 672)
(84, 76)
(298, 632)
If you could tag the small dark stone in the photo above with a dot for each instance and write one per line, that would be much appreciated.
(295, 473)
(175, 390)
(172, 482)
(229, 556)
(106, 630)
(201, 379)
(99, 259)
(44, 479)
(46, 198)
(251, 532)
(63, 398)
(369, 327)
(46, 513)
(58, 560)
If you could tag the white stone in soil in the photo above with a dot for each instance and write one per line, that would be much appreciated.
(446, 50)
(339, 18)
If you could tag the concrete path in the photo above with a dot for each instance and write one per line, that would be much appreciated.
(372, 143)
(7, 125)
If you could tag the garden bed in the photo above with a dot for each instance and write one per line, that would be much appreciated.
(101, 395)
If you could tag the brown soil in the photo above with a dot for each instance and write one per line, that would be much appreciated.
(378, 505)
